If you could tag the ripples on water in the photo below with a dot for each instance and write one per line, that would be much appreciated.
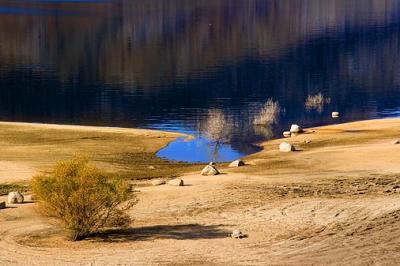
(166, 63)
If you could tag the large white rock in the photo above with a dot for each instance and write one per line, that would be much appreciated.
(2, 204)
(286, 147)
(176, 182)
(295, 129)
(15, 197)
(209, 170)
(236, 163)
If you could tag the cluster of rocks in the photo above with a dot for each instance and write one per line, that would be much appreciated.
(294, 131)
(209, 170)
(14, 197)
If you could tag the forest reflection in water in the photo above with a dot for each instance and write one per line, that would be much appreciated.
(167, 64)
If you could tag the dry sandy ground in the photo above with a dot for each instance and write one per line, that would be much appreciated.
(336, 201)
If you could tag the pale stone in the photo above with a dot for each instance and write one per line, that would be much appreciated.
(286, 147)
(176, 182)
(287, 134)
(209, 170)
(15, 197)
(236, 163)
(395, 142)
(335, 114)
(295, 129)
(237, 234)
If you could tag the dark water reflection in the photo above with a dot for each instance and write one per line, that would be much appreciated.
(165, 63)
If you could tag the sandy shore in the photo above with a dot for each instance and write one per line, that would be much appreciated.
(28, 148)
(334, 201)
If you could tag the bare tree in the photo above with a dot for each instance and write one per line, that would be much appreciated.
(218, 129)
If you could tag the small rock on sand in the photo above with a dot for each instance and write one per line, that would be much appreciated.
(2, 204)
(237, 234)
(335, 114)
(236, 163)
(209, 170)
(176, 182)
(287, 134)
(286, 147)
(295, 129)
(158, 182)
(15, 197)
(395, 142)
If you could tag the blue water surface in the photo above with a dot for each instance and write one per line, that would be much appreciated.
(168, 65)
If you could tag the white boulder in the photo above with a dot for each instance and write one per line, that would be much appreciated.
(209, 170)
(236, 163)
(15, 197)
(286, 147)
(176, 182)
(287, 134)
(295, 129)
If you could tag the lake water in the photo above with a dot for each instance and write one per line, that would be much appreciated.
(169, 64)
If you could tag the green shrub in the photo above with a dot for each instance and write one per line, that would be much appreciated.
(84, 198)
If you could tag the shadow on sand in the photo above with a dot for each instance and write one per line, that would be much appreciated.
(179, 232)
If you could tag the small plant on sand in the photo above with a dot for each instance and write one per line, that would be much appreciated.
(316, 102)
(83, 197)
(268, 115)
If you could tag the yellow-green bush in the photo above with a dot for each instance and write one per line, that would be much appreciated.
(84, 198)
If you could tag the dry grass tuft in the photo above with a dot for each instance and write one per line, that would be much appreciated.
(269, 114)
(316, 102)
